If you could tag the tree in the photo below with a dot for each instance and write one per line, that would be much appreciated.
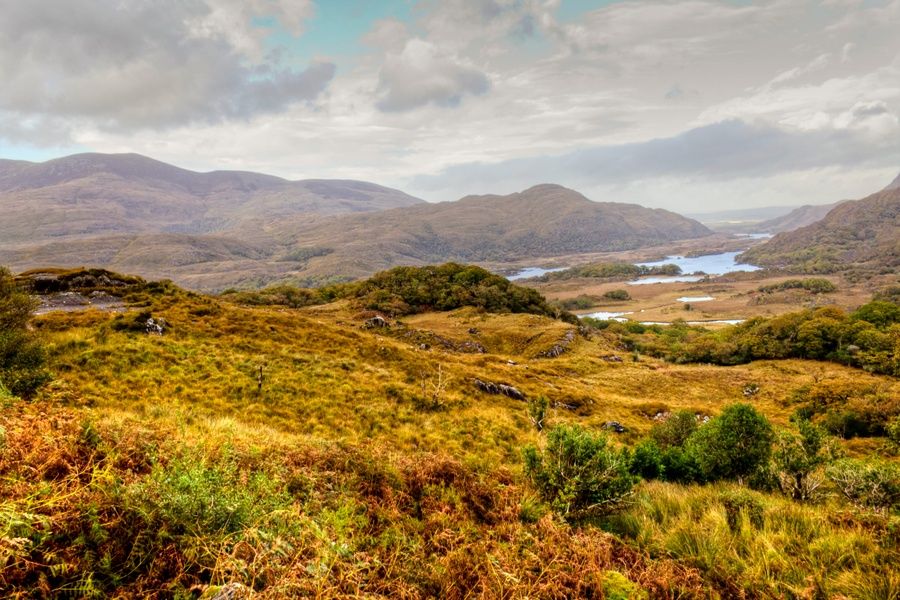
(579, 473)
(21, 357)
(675, 431)
(733, 445)
(537, 411)
(797, 459)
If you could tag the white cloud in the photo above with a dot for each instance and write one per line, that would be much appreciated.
(420, 75)
(127, 65)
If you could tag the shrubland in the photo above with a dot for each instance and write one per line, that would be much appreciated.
(295, 452)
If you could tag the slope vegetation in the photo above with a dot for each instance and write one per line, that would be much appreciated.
(861, 237)
(297, 453)
(542, 221)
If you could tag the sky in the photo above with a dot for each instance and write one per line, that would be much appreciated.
(690, 105)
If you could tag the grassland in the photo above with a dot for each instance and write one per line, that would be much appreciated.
(367, 464)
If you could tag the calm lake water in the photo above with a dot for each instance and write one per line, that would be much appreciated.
(711, 264)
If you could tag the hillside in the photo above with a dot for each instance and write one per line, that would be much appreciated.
(797, 218)
(86, 195)
(212, 231)
(304, 453)
(894, 184)
(862, 237)
(542, 221)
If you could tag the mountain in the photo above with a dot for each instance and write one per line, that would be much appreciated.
(230, 228)
(862, 237)
(85, 195)
(542, 221)
(797, 218)
(739, 219)
(894, 184)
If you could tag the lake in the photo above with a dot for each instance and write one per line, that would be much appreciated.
(710, 264)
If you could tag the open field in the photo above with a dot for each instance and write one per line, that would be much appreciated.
(367, 463)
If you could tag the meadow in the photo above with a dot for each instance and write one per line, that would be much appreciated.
(269, 451)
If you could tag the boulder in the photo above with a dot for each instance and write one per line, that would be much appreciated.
(499, 389)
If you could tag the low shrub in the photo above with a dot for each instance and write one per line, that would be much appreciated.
(867, 483)
(579, 473)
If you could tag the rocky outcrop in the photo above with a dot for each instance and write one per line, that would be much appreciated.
(560, 347)
(499, 389)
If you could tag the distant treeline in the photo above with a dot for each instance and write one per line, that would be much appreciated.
(610, 271)
(868, 338)
(410, 290)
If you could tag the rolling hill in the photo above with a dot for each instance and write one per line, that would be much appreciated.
(224, 229)
(86, 195)
(862, 237)
(542, 221)
(797, 218)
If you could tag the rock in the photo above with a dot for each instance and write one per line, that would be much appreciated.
(559, 347)
(511, 363)
(662, 416)
(614, 426)
(376, 322)
(473, 331)
(155, 326)
(499, 388)
(612, 358)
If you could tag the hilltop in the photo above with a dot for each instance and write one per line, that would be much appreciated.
(542, 221)
(797, 218)
(211, 231)
(859, 237)
(86, 195)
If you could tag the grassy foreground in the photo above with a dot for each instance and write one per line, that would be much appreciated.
(367, 464)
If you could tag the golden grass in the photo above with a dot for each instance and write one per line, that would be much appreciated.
(386, 494)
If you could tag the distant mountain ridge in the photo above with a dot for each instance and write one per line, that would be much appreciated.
(89, 194)
(797, 218)
(542, 221)
(894, 184)
(862, 237)
(233, 228)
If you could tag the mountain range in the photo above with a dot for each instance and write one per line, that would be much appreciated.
(233, 228)
(860, 237)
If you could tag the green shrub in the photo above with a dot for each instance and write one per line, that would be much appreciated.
(798, 460)
(579, 473)
(815, 285)
(647, 460)
(22, 357)
(739, 504)
(617, 295)
(867, 483)
(734, 444)
(537, 411)
(675, 430)
(188, 497)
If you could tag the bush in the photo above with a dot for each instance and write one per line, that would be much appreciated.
(647, 460)
(617, 295)
(675, 431)
(798, 459)
(871, 484)
(734, 444)
(22, 358)
(579, 473)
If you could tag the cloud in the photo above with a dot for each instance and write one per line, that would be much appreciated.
(148, 63)
(716, 152)
(420, 75)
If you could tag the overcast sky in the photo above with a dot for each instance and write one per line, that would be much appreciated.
(690, 105)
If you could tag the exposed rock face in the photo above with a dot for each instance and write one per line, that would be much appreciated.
(614, 426)
(376, 322)
(560, 347)
(499, 389)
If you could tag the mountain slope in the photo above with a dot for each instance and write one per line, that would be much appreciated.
(545, 220)
(89, 194)
(861, 237)
(894, 184)
(797, 218)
